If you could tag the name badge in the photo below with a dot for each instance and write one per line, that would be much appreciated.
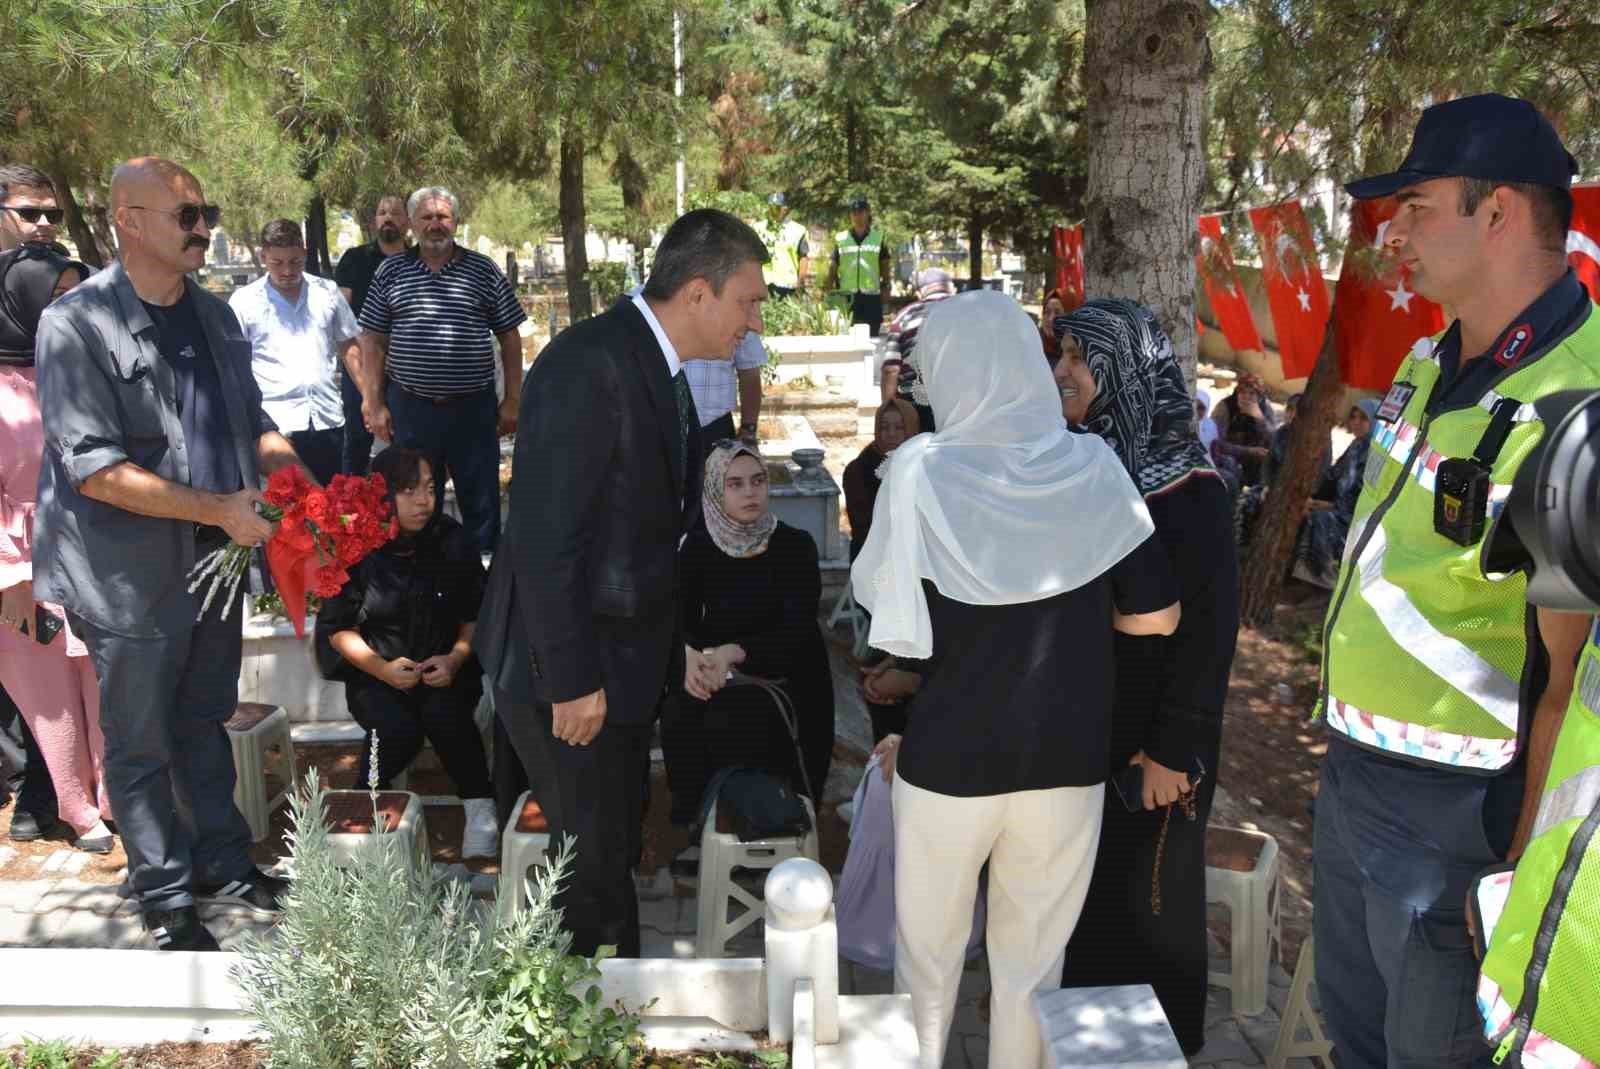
(1395, 401)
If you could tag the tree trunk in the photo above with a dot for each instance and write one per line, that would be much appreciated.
(318, 260)
(574, 224)
(975, 249)
(1146, 64)
(100, 225)
(77, 226)
(852, 145)
(632, 179)
(1278, 522)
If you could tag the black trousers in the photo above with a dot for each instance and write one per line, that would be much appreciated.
(403, 718)
(357, 451)
(458, 437)
(169, 765)
(321, 451)
(594, 793)
(868, 308)
(25, 773)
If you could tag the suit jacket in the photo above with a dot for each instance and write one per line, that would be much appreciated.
(583, 591)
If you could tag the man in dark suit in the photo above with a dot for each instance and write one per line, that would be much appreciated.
(579, 630)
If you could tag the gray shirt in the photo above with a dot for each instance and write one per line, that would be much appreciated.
(107, 396)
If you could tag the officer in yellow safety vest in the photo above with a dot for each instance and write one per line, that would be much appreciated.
(860, 271)
(789, 263)
(1443, 689)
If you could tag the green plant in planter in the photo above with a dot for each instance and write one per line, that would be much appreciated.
(801, 315)
(379, 966)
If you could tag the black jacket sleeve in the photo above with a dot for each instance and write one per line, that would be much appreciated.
(1194, 525)
(566, 437)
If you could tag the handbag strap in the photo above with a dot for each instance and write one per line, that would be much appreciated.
(790, 717)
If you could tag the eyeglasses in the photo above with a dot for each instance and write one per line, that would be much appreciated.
(32, 214)
(188, 214)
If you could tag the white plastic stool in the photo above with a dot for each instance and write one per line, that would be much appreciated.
(1298, 1011)
(255, 731)
(845, 608)
(522, 846)
(1242, 873)
(720, 853)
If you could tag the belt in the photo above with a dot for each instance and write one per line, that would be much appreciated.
(445, 399)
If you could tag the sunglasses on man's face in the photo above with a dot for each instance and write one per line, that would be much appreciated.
(188, 215)
(31, 214)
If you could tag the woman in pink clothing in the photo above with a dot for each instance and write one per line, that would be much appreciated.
(43, 666)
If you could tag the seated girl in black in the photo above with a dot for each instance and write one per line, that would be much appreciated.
(400, 636)
(751, 587)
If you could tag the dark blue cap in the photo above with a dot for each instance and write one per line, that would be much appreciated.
(859, 204)
(1493, 137)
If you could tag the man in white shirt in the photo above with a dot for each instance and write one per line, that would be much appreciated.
(300, 330)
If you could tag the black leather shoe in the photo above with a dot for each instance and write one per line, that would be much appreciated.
(25, 827)
(178, 929)
(256, 891)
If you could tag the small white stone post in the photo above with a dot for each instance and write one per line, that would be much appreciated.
(802, 944)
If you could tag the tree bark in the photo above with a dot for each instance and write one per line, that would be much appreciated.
(574, 223)
(77, 226)
(1146, 64)
(975, 248)
(632, 179)
(318, 259)
(1278, 523)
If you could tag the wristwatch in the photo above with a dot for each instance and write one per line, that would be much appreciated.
(747, 429)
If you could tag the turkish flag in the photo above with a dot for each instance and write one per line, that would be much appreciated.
(1214, 262)
(1069, 265)
(1583, 240)
(1296, 292)
(1380, 317)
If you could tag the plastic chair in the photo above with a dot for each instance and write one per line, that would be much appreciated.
(1242, 873)
(845, 609)
(259, 736)
(1298, 1011)
(721, 852)
(522, 846)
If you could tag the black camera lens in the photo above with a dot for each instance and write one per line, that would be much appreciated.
(1555, 503)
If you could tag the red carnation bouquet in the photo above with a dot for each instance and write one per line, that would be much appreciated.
(321, 534)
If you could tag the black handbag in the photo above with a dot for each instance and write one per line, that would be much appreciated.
(758, 803)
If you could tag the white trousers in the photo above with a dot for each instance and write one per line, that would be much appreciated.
(1040, 847)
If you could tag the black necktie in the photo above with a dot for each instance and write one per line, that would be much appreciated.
(680, 387)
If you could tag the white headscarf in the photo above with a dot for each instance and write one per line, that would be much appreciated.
(1002, 504)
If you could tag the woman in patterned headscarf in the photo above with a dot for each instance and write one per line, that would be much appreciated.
(750, 590)
(1144, 921)
(1245, 422)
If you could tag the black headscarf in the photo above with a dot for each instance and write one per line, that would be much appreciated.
(28, 277)
(1141, 407)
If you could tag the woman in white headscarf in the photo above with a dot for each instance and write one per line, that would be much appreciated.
(1004, 549)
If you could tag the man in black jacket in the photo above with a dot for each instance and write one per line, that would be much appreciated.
(579, 630)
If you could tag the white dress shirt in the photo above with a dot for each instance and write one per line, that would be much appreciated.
(673, 363)
(295, 350)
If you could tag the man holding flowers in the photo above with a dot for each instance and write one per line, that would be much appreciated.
(155, 444)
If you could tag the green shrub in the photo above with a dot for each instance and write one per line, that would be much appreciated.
(607, 282)
(379, 966)
(800, 315)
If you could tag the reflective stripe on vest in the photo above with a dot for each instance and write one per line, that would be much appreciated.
(1541, 1051)
(1543, 932)
(859, 260)
(1428, 650)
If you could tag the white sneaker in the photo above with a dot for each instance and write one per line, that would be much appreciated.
(481, 837)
